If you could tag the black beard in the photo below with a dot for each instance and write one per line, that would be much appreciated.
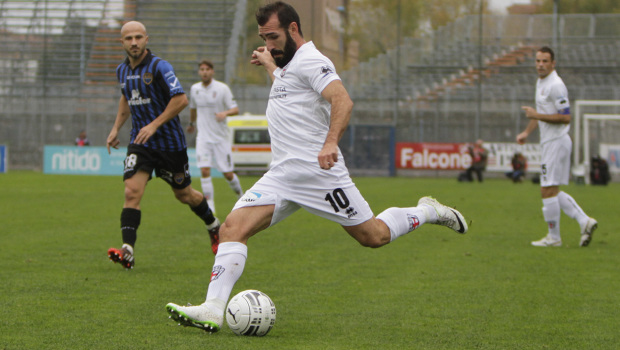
(287, 55)
(135, 56)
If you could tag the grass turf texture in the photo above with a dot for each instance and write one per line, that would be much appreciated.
(432, 289)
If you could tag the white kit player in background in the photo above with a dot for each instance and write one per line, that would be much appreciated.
(307, 113)
(211, 102)
(552, 116)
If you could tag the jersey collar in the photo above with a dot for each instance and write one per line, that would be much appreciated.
(145, 61)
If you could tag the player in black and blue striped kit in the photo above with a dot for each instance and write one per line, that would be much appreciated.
(153, 97)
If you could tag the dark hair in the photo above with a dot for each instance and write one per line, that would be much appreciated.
(286, 15)
(547, 49)
(207, 62)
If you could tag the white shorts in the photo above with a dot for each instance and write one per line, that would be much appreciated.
(214, 155)
(330, 194)
(555, 165)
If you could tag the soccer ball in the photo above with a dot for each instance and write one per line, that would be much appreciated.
(251, 312)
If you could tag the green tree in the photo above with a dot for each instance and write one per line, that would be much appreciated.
(375, 23)
(582, 6)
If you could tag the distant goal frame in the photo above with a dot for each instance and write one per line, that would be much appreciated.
(581, 131)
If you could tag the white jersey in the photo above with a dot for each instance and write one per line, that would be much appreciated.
(552, 98)
(214, 98)
(297, 114)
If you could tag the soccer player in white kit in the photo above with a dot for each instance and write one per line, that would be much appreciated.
(307, 113)
(552, 116)
(211, 102)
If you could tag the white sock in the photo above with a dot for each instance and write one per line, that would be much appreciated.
(551, 213)
(572, 209)
(207, 190)
(227, 268)
(236, 185)
(401, 221)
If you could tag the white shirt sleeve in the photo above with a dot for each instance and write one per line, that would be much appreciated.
(319, 71)
(229, 99)
(559, 96)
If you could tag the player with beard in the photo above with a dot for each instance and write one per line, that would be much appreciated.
(307, 113)
(152, 95)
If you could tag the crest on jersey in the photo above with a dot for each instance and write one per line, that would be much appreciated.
(147, 78)
(283, 72)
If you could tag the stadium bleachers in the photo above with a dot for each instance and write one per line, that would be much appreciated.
(58, 59)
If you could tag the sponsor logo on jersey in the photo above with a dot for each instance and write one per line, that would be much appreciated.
(147, 78)
(137, 100)
(174, 83)
(351, 212)
(165, 175)
(251, 197)
(278, 92)
(326, 70)
(130, 77)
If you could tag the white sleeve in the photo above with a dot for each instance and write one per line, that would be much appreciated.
(319, 71)
(559, 96)
(229, 99)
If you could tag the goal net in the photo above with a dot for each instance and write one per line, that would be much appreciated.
(596, 134)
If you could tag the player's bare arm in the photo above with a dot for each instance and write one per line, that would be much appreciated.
(262, 57)
(221, 116)
(341, 107)
(121, 117)
(175, 106)
(193, 115)
(548, 118)
(531, 126)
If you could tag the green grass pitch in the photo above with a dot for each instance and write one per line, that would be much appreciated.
(431, 289)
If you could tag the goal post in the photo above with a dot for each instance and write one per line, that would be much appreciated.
(581, 139)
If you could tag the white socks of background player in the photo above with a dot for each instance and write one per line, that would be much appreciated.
(227, 268)
(235, 185)
(207, 191)
(401, 221)
(572, 209)
(551, 213)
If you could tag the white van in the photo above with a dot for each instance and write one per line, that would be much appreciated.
(251, 148)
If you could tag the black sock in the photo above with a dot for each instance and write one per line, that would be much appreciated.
(204, 212)
(130, 220)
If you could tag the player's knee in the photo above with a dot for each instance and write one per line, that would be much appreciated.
(132, 193)
(205, 172)
(186, 196)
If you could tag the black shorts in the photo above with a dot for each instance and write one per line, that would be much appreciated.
(172, 167)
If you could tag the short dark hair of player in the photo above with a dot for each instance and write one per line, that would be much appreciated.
(547, 49)
(207, 62)
(286, 15)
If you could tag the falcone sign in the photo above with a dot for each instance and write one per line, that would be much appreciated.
(455, 156)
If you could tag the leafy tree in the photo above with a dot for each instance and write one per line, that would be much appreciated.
(375, 23)
(582, 6)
